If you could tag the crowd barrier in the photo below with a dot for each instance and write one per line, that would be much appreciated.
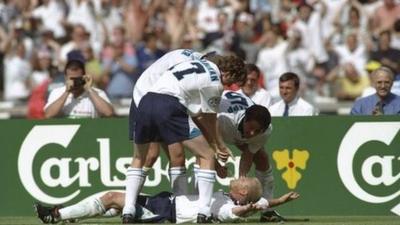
(339, 165)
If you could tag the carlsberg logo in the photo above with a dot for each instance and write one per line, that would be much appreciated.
(357, 135)
(62, 135)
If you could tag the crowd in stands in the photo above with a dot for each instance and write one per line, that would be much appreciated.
(332, 45)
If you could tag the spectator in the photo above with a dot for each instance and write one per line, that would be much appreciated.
(291, 104)
(352, 52)
(349, 83)
(119, 71)
(251, 88)
(385, 16)
(79, 38)
(77, 98)
(17, 70)
(147, 53)
(271, 62)
(51, 15)
(383, 102)
(386, 55)
(93, 67)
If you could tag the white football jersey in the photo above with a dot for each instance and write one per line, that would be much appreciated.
(232, 111)
(196, 84)
(149, 77)
(187, 207)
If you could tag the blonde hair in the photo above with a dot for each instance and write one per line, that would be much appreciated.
(251, 184)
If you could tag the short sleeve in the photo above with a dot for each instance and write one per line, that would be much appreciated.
(210, 98)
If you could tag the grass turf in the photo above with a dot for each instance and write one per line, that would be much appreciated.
(323, 220)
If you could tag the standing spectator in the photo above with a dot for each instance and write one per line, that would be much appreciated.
(271, 61)
(385, 16)
(120, 73)
(77, 98)
(51, 14)
(386, 55)
(17, 70)
(79, 38)
(309, 25)
(291, 104)
(353, 52)
(93, 67)
(207, 21)
(383, 102)
(251, 88)
(147, 53)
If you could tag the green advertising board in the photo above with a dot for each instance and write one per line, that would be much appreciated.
(339, 165)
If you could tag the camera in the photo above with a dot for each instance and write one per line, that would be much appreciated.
(78, 81)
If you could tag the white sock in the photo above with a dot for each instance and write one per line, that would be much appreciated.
(178, 179)
(111, 212)
(267, 181)
(206, 179)
(195, 181)
(84, 209)
(134, 182)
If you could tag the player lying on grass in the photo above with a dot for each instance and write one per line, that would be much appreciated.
(243, 200)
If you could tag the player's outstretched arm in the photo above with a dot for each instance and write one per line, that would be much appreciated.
(283, 199)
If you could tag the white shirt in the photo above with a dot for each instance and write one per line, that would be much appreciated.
(298, 107)
(51, 16)
(260, 97)
(196, 84)
(232, 111)
(187, 207)
(271, 62)
(80, 107)
(149, 77)
(358, 57)
(16, 74)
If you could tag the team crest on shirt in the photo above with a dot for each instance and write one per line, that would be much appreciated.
(291, 165)
(214, 102)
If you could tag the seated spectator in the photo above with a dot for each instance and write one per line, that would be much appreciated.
(383, 102)
(350, 84)
(291, 104)
(77, 98)
(252, 89)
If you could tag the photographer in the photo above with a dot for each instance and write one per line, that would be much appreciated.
(77, 98)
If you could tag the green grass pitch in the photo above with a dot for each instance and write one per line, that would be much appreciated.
(314, 220)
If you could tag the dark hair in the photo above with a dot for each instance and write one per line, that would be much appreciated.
(260, 114)
(75, 65)
(250, 67)
(290, 76)
(232, 65)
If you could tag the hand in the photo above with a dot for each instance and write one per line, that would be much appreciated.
(88, 82)
(223, 153)
(69, 85)
(289, 197)
(222, 171)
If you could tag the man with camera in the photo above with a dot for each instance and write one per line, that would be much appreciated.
(77, 98)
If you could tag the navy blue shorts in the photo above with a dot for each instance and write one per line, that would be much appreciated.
(161, 205)
(161, 118)
(132, 122)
